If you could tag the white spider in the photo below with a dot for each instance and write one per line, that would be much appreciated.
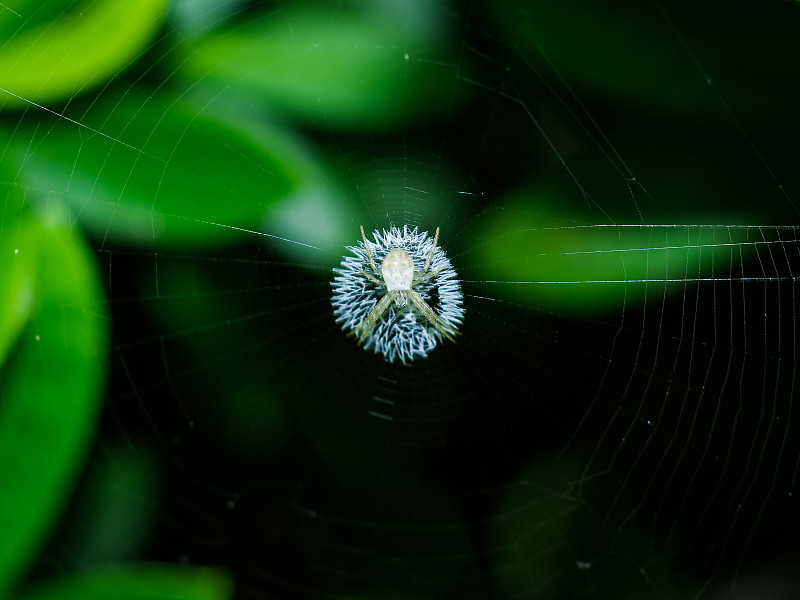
(406, 332)
(398, 278)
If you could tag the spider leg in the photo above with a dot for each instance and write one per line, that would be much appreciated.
(372, 278)
(365, 327)
(369, 252)
(430, 254)
(441, 326)
(422, 277)
(425, 274)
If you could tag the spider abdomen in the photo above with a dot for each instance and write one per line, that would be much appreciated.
(397, 270)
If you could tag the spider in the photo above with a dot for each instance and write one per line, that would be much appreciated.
(397, 276)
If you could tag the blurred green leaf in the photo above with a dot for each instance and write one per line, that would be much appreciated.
(335, 68)
(252, 420)
(137, 581)
(192, 17)
(17, 271)
(19, 15)
(49, 383)
(79, 49)
(151, 170)
(536, 258)
(684, 59)
(554, 540)
(112, 515)
(17, 294)
(17, 274)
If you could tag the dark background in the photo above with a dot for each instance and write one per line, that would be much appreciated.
(621, 428)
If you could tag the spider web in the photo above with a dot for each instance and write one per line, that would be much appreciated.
(617, 418)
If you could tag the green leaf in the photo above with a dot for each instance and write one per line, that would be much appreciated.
(706, 59)
(152, 170)
(49, 383)
(112, 515)
(540, 260)
(79, 49)
(17, 271)
(193, 17)
(551, 528)
(334, 68)
(138, 581)
(17, 278)
(19, 15)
